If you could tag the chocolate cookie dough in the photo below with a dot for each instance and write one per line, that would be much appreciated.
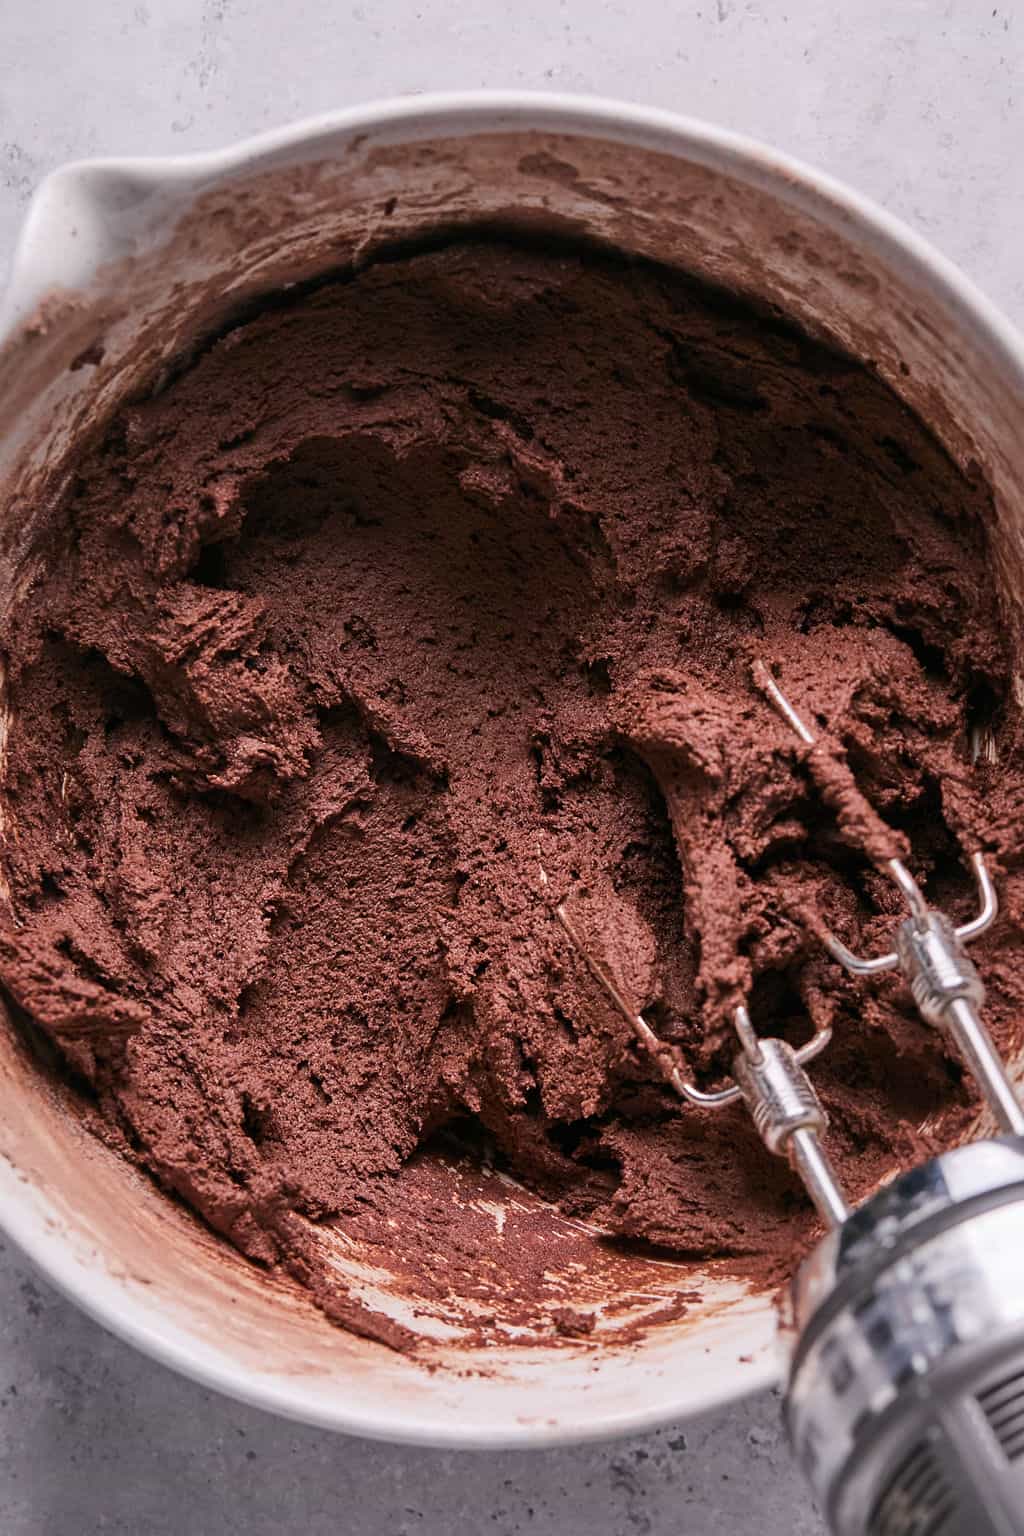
(435, 576)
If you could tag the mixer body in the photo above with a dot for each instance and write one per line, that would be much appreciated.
(905, 1402)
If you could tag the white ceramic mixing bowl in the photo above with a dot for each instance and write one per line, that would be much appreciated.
(121, 265)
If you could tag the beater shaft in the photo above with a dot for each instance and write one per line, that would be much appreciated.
(974, 1043)
(811, 1162)
(786, 1111)
(948, 991)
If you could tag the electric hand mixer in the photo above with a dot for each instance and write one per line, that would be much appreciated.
(905, 1401)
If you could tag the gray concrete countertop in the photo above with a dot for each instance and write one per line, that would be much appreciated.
(919, 104)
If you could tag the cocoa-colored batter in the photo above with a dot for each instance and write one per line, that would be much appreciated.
(435, 576)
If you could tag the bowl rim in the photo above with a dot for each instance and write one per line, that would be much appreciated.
(472, 112)
(461, 114)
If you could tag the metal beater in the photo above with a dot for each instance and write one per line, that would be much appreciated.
(905, 1400)
(930, 952)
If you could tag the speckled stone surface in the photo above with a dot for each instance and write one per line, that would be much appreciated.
(920, 105)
